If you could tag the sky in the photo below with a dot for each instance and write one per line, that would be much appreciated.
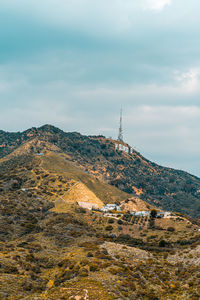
(74, 63)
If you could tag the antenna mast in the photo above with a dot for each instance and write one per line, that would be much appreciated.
(120, 135)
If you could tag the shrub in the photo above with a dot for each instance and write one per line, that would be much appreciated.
(162, 243)
(104, 251)
(89, 245)
(153, 213)
(113, 271)
(151, 223)
(120, 222)
(66, 263)
(111, 221)
(30, 257)
(64, 275)
(83, 272)
(101, 255)
(171, 229)
(89, 254)
(124, 237)
(84, 262)
(27, 286)
(94, 268)
(29, 227)
(109, 228)
(165, 255)
(9, 269)
(80, 210)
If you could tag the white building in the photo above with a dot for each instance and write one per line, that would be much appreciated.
(123, 147)
(167, 214)
(110, 207)
(140, 213)
(88, 205)
(163, 214)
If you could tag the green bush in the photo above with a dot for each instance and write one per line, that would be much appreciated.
(153, 213)
(111, 221)
(109, 228)
(120, 222)
(94, 268)
(162, 243)
(89, 254)
(171, 229)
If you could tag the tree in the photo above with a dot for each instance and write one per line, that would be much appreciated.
(162, 243)
(153, 213)
(109, 228)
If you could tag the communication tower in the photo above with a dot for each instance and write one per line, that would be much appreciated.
(120, 135)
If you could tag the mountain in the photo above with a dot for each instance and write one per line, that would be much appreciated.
(51, 247)
(166, 188)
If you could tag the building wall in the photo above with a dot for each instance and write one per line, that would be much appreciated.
(121, 147)
(88, 205)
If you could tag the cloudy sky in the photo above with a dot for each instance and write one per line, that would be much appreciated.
(73, 63)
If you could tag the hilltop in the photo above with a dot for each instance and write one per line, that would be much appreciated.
(165, 188)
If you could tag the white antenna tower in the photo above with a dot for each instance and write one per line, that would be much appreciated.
(120, 135)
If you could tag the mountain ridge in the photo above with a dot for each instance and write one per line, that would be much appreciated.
(160, 186)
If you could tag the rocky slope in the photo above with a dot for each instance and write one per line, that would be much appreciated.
(164, 187)
(51, 248)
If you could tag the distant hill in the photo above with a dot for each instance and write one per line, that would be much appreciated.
(163, 187)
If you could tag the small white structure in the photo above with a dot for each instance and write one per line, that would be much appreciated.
(163, 214)
(167, 214)
(123, 147)
(140, 213)
(110, 207)
(88, 205)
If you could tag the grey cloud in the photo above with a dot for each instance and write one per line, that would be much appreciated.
(75, 63)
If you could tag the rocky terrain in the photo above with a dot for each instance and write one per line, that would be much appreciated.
(53, 248)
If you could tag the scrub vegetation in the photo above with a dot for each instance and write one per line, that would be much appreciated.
(52, 248)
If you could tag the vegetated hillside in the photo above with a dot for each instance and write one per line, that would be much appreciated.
(53, 177)
(50, 248)
(166, 188)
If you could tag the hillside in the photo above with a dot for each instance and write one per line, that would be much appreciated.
(52, 248)
(53, 177)
(165, 188)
